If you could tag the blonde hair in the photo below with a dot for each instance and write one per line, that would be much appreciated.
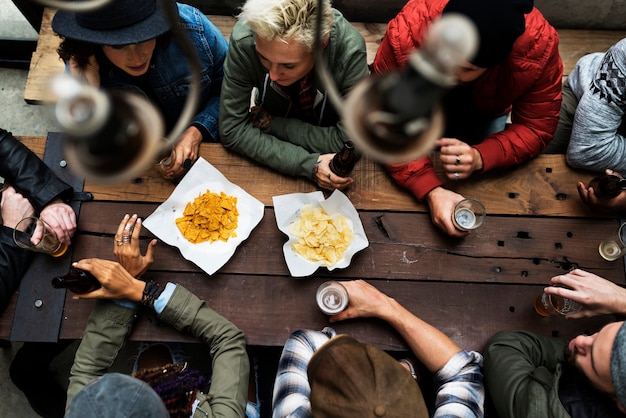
(287, 20)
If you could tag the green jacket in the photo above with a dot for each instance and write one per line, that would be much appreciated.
(522, 372)
(291, 146)
(109, 325)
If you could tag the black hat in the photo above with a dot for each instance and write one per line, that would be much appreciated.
(499, 24)
(121, 22)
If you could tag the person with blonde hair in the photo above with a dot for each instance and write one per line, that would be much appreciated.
(289, 122)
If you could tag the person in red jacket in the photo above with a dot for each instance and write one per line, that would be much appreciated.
(517, 69)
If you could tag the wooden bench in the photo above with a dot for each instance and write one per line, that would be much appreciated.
(45, 63)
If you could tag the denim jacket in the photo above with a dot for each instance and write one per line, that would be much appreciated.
(169, 73)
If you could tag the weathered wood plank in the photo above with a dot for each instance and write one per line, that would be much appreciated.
(269, 308)
(402, 246)
(544, 186)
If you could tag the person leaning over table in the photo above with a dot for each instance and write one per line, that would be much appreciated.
(127, 45)
(27, 177)
(517, 69)
(92, 388)
(591, 129)
(529, 375)
(292, 125)
(322, 374)
(31, 189)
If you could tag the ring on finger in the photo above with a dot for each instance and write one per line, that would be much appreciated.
(456, 175)
(119, 241)
(458, 159)
(328, 175)
(125, 239)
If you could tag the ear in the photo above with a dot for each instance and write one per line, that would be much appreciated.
(325, 43)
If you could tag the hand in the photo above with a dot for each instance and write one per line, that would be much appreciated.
(116, 281)
(615, 205)
(441, 203)
(14, 207)
(90, 74)
(325, 178)
(127, 250)
(365, 301)
(459, 160)
(260, 118)
(61, 218)
(597, 295)
(187, 148)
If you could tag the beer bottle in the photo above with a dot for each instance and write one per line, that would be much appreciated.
(607, 186)
(343, 162)
(77, 281)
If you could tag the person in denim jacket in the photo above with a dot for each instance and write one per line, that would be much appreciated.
(128, 45)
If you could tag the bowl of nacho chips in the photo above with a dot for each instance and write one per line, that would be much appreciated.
(321, 232)
(206, 217)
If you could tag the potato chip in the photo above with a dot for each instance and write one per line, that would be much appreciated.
(210, 217)
(321, 238)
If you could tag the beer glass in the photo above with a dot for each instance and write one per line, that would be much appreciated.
(612, 248)
(332, 297)
(546, 305)
(469, 214)
(34, 234)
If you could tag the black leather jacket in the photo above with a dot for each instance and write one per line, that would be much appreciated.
(21, 168)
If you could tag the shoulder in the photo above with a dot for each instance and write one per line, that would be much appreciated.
(539, 42)
(242, 34)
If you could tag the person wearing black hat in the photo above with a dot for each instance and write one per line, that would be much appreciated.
(533, 376)
(325, 375)
(517, 69)
(127, 45)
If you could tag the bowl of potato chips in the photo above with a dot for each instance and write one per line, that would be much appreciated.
(206, 217)
(321, 232)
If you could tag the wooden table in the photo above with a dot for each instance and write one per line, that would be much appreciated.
(470, 288)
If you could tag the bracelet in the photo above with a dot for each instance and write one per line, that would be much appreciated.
(151, 292)
(411, 368)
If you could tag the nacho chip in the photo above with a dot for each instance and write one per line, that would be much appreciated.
(210, 217)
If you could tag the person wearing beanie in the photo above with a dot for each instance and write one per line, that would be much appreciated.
(127, 45)
(516, 70)
(533, 376)
(324, 375)
(172, 386)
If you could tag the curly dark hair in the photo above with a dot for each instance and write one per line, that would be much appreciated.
(80, 51)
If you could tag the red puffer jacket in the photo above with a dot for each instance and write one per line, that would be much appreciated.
(527, 83)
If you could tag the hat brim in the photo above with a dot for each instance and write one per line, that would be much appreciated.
(64, 24)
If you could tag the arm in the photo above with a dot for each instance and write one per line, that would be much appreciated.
(534, 115)
(21, 168)
(521, 373)
(291, 398)
(107, 329)
(187, 313)
(227, 347)
(597, 295)
(211, 47)
(13, 260)
(236, 130)
(597, 142)
(458, 372)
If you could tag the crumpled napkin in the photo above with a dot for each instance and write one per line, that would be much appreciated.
(210, 257)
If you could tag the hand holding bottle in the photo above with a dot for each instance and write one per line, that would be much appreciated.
(590, 196)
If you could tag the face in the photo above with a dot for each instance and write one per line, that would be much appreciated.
(286, 62)
(468, 72)
(134, 59)
(591, 354)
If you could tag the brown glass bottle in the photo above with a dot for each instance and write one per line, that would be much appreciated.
(343, 162)
(607, 186)
(77, 281)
